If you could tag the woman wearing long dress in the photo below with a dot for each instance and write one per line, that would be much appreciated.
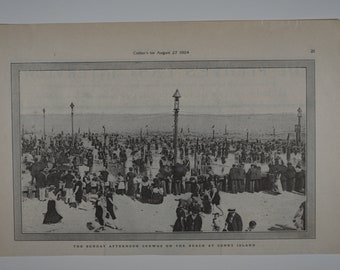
(215, 200)
(109, 207)
(145, 192)
(206, 201)
(52, 216)
(99, 211)
(180, 223)
(121, 184)
(78, 191)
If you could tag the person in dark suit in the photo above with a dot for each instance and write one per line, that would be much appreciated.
(68, 179)
(258, 179)
(233, 178)
(52, 178)
(99, 213)
(300, 179)
(194, 222)
(241, 175)
(251, 177)
(110, 206)
(233, 222)
(78, 190)
(180, 223)
(41, 182)
(291, 173)
(90, 160)
(130, 185)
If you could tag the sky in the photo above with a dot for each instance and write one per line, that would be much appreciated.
(203, 91)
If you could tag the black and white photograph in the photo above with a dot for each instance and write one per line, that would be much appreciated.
(164, 150)
(136, 134)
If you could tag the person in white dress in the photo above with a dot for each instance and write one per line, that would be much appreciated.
(277, 186)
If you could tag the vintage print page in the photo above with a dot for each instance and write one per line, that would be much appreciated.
(170, 138)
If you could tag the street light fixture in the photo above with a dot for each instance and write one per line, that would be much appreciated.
(176, 96)
(44, 123)
(104, 135)
(298, 126)
(72, 106)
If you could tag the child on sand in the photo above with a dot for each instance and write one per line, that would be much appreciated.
(251, 227)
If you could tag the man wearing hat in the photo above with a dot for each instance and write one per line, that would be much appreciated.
(233, 222)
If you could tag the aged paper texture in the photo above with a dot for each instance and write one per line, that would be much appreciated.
(170, 138)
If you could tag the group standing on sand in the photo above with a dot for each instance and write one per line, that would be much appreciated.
(56, 165)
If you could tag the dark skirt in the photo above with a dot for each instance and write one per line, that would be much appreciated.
(206, 205)
(131, 189)
(145, 193)
(179, 226)
(88, 188)
(79, 196)
(51, 216)
(111, 212)
(99, 215)
(216, 200)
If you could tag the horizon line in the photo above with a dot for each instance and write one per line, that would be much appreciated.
(186, 114)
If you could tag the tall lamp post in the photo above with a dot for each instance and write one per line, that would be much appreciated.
(176, 96)
(44, 123)
(72, 106)
(104, 131)
(298, 126)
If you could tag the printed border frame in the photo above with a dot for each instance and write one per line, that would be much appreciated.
(307, 64)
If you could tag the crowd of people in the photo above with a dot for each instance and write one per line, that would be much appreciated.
(90, 165)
